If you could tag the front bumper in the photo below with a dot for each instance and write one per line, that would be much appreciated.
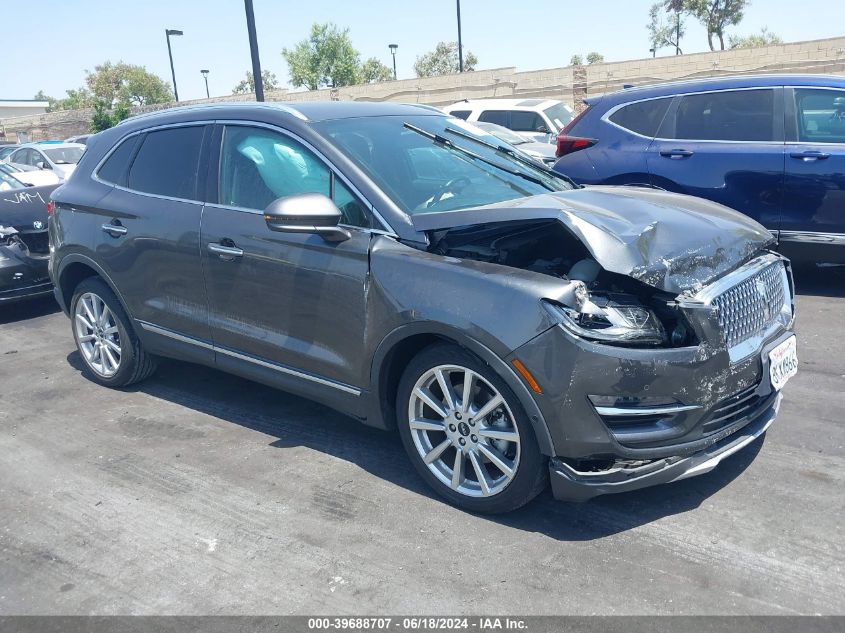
(569, 484)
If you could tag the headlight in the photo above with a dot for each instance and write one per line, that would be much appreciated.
(618, 319)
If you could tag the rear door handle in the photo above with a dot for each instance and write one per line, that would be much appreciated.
(225, 251)
(115, 230)
(810, 155)
(676, 154)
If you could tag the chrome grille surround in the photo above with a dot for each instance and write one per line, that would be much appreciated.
(750, 303)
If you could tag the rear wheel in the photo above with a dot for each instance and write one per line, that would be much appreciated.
(112, 353)
(466, 432)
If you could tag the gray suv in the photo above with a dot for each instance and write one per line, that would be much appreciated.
(406, 269)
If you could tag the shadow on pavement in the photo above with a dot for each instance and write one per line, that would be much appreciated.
(297, 422)
(27, 309)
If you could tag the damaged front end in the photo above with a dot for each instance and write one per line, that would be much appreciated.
(24, 257)
(660, 361)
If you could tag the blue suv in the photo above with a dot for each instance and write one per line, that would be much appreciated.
(772, 147)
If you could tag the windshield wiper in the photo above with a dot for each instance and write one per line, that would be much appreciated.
(442, 140)
(515, 154)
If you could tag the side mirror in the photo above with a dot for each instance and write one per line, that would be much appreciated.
(40, 164)
(306, 213)
(542, 129)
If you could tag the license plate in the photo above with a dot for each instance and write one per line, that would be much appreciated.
(783, 363)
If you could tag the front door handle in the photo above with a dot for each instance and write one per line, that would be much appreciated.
(227, 251)
(676, 154)
(809, 155)
(115, 229)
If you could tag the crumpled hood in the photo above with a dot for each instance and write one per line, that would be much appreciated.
(669, 241)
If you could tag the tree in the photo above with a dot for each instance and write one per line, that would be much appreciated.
(75, 99)
(247, 86)
(666, 26)
(763, 38)
(595, 58)
(325, 58)
(443, 60)
(716, 16)
(576, 60)
(373, 71)
(105, 117)
(127, 83)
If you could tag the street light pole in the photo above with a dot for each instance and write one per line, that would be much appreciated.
(460, 44)
(253, 51)
(168, 33)
(393, 48)
(205, 76)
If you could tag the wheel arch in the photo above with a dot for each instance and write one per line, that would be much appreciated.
(76, 268)
(405, 342)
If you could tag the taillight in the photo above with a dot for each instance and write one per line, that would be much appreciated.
(568, 144)
(51, 206)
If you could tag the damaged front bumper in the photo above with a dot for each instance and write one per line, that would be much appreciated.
(569, 484)
(23, 275)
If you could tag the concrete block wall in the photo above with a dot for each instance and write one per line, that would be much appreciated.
(569, 84)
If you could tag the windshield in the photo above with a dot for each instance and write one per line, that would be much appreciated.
(559, 114)
(423, 175)
(7, 183)
(64, 155)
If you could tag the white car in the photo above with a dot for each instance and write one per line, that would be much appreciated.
(60, 158)
(541, 119)
(28, 175)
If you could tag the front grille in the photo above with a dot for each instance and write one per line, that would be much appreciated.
(37, 243)
(749, 308)
(745, 404)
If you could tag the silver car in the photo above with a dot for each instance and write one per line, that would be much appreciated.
(544, 152)
(61, 158)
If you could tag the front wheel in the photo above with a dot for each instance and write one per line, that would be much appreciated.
(466, 433)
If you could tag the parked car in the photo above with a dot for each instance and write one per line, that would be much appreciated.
(82, 138)
(24, 246)
(59, 157)
(406, 271)
(772, 147)
(544, 152)
(28, 175)
(541, 119)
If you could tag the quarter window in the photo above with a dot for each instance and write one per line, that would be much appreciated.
(461, 114)
(738, 115)
(258, 166)
(643, 117)
(821, 115)
(167, 163)
(115, 169)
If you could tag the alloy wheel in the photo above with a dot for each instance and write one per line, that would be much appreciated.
(464, 431)
(97, 335)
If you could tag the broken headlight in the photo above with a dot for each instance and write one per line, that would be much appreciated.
(618, 319)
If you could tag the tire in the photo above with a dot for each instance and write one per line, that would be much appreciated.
(113, 334)
(502, 436)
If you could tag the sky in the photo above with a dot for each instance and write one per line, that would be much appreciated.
(50, 49)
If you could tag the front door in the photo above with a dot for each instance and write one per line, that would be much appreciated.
(289, 303)
(813, 226)
(726, 146)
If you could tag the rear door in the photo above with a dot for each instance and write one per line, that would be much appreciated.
(147, 229)
(726, 146)
(813, 225)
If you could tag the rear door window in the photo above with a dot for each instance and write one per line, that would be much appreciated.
(731, 115)
(499, 117)
(821, 115)
(167, 163)
(643, 117)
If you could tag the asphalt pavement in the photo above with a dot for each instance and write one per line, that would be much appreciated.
(200, 493)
